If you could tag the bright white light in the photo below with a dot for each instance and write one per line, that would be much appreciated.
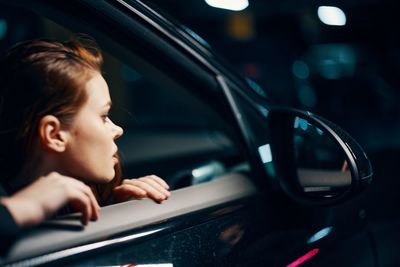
(265, 153)
(235, 5)
(320, 234)
(331, 15)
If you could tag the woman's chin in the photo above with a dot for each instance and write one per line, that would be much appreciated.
(109, 178)
(105, 179)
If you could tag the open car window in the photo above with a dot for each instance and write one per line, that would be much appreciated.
(167, 131)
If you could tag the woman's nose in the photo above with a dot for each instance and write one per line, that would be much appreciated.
(117, 131)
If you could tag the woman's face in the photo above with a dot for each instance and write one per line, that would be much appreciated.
(90, 154)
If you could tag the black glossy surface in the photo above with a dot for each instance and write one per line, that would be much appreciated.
(194, 239)
(227, 236)
(245, 233)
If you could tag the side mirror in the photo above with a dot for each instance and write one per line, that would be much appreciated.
(316, 161)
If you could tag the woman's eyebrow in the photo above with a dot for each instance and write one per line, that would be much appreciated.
(108, 104)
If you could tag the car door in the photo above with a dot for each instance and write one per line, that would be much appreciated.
(199, 126)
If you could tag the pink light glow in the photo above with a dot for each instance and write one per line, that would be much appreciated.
(304, 258)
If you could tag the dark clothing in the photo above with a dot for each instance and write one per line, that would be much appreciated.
(9, 230)
(8, 227)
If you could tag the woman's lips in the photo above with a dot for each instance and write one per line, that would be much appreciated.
(115, 158)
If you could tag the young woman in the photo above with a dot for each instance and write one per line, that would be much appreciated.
(55, 130)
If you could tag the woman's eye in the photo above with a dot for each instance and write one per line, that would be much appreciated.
(105, 117)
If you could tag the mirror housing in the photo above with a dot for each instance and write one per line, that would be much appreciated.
(315, 160)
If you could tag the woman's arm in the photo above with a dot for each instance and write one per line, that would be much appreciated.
(46, 196)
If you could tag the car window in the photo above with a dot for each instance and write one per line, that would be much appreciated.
(167, 131)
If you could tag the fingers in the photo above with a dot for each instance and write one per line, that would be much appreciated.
(44, 197)
(150, 191)
(78, 195)
(158, 180)
(83, 200)
(48, 194)
(157, 183)
(80, 203)
(150, 185)
(126, 192)
(154, 188)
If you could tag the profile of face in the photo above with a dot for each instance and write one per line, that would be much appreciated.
(90, 152)
(54, 114)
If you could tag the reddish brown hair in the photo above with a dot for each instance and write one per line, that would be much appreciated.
(38, 78)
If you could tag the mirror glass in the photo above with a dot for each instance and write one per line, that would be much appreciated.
(321, 163)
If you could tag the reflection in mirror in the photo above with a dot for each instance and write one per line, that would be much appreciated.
(322, 167)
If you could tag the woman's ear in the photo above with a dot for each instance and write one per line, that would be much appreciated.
(51, 136)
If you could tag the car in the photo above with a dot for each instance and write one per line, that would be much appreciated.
(254, 183)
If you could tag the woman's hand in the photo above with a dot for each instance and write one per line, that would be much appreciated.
(150, 186)
(44, 197)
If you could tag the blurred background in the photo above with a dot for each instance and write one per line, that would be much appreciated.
(337, 58)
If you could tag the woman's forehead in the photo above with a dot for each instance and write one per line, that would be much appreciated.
(97, 91)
